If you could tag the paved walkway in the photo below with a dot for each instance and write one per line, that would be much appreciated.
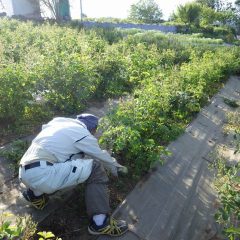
(177, 201)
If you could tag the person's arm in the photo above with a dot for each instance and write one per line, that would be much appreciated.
(89, 145)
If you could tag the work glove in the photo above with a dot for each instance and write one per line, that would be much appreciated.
(115, 168)
(123, 170)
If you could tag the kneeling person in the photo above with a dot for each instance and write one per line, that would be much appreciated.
(52, 163)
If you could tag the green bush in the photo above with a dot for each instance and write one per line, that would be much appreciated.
(227, 182)
(141, 126)
(24, 228)
(14, 152)
(226, 33)
(68, 81)
(15, 92)
(227, 186)
(112, 69)
(67, 67)
(111, 35)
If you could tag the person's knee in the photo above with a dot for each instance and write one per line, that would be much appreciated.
(98, 174)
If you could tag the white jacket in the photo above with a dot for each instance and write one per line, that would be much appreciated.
(62, 138)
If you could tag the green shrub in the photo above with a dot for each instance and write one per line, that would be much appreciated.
(14, 152)
(68, 81)
(141, 126)
(68, 67)
(227, 184)
(24, 228)
(15, 92)
(111, 35)
(112, 69)
(47, 235)
(226, 33)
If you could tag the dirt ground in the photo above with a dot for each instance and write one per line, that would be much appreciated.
(70, 222)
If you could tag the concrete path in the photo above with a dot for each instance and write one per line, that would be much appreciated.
(177, 201)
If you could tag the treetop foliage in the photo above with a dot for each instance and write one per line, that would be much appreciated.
(188, 13)
(146, 11)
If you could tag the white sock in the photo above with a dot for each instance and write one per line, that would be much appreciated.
(99, 219)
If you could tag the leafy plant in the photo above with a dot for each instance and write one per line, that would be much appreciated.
(145, 11)
(227, 184)
(24, 228)
(188, 13)
(169, 76)
(13, 101)
(47, 235)
(233, 127)
(14, 152)
(156, 114)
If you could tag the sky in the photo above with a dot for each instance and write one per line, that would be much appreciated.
(107, 8)
(120, 8)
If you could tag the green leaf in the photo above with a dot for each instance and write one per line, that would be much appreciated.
(46, 235)
(233, 230)
(50, 235)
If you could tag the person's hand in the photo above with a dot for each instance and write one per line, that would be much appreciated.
(113, 170)
(123, 170)
(117, 170)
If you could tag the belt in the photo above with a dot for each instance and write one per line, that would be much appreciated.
(35, 164)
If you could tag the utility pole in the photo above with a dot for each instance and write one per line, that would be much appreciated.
(81, 15)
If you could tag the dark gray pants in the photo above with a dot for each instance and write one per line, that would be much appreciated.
(97, 195)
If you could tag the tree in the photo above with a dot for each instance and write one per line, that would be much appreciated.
(208, 3)
(208, 16)
(146, 11)
(54, 7)
(218, 5)
(237, 13)
(188, 13)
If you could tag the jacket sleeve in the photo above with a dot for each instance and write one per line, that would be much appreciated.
(89, 145)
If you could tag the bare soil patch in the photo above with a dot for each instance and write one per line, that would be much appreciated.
(70, 222)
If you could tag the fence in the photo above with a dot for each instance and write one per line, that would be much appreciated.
(161, 28)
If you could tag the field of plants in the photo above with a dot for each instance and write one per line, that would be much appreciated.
(165, 79)
(161, 80)
(227, 181)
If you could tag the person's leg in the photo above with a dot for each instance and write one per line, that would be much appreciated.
(97, 204)
(47, 179)
(38, 199)
(96, 194)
